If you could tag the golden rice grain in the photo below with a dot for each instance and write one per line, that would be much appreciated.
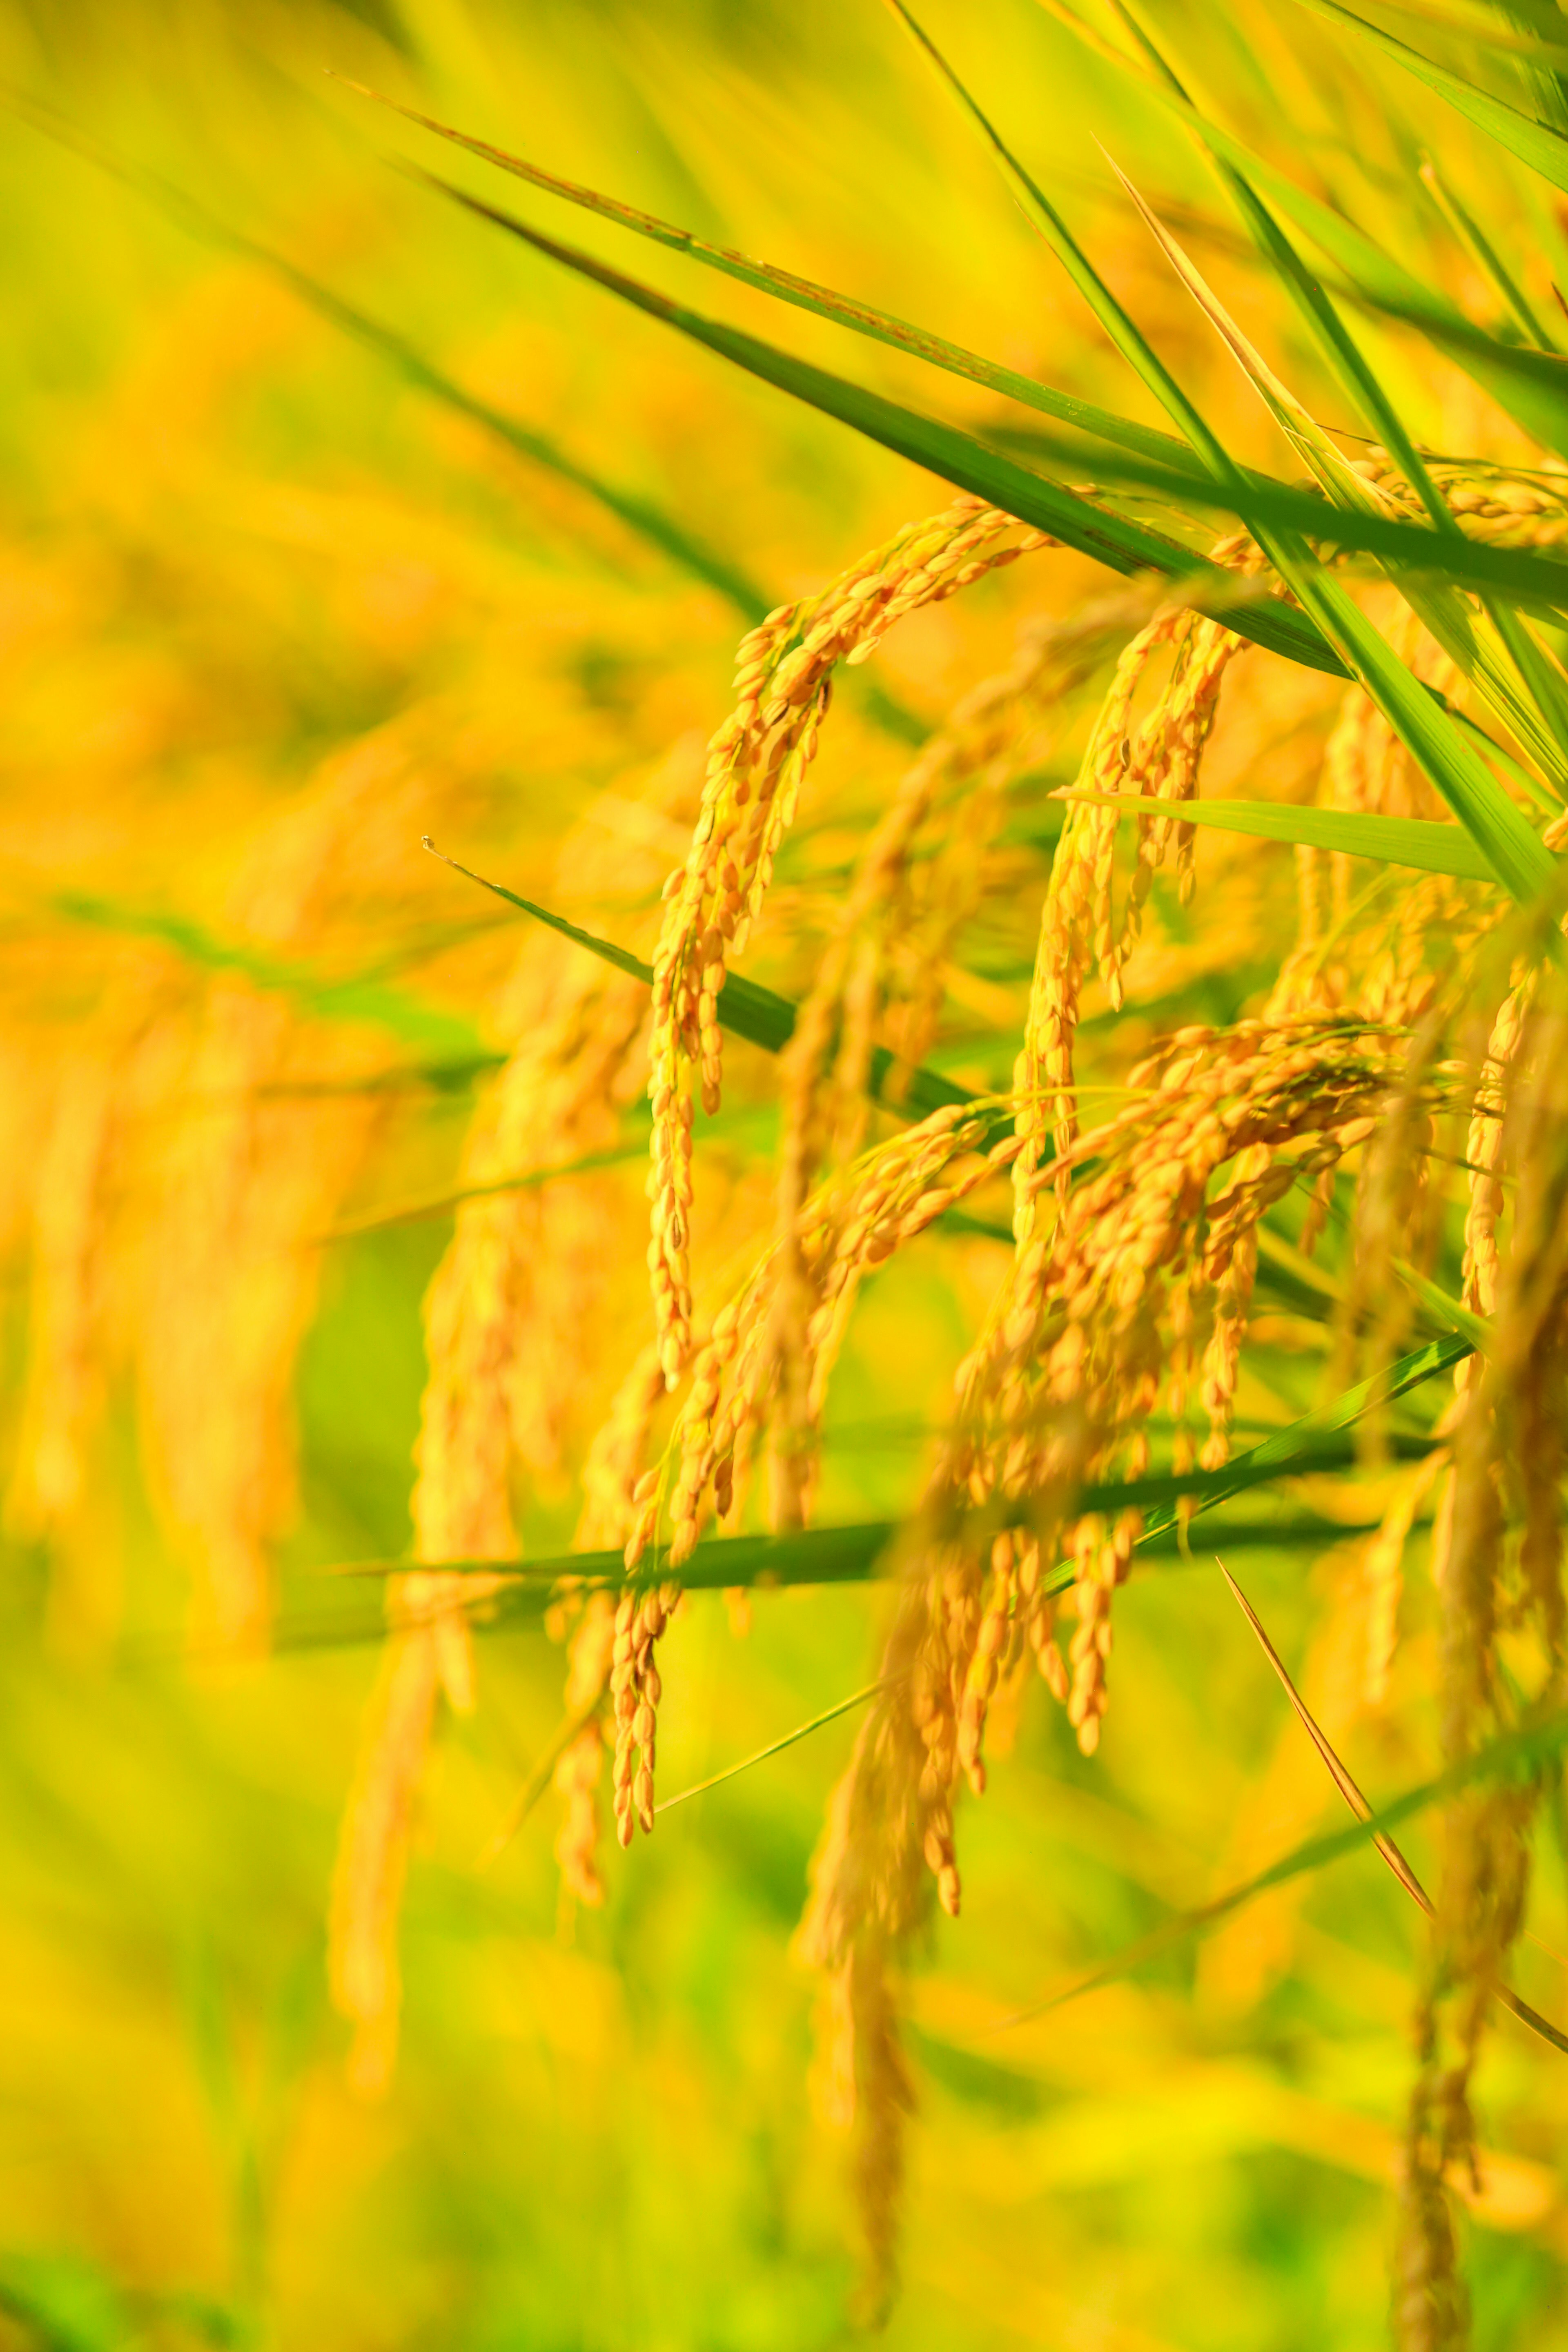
(1507, 1443)
(756, 763)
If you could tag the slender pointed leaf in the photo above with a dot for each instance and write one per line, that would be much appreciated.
(745, 1010)
(1439, 748)
(1306, 438)
(1408, 548)
(1362, 1809)
(1043, 216)
(859, 1554)
(1443, 754)
(827, 304)
(1514, 1755)
(848, 1554)
(1531, 385)
(955, 457)
(1469, 232)
(528, 1597)
(1535, 144)
(1440, 1305)
(1324, 322)
(776, 1747)
(1538, 718)
(1275, 1454)
(1430, 847)
(1119, 431)
(804, 294)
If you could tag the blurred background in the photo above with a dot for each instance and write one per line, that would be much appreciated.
(328, 519)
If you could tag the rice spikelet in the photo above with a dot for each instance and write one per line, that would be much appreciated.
(757, 762)
(1508, 1447)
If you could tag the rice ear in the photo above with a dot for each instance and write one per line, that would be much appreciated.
(362, 1969)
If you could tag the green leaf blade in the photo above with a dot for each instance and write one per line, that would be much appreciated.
(1427, 847)
(744, 1009)
(821, 301)
(1531, 385)
(1535, 144)
(958, 458)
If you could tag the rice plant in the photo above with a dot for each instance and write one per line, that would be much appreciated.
(908, 1138)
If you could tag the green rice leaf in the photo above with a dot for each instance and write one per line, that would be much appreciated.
(1274, 1456)
(1538, 718)
(1043, 216)
(1443, 754)
(1438, 746)
(823, 301)
(1515, 1755)
(1443, 1308)
(955, 457)
(859, 1554)
(804, 294)
(1531, 385)
(1448, 758)
(776, 1747)
(1409, 550)
(1469, 232)
(1306, 438)
(821, 1555)
(806, 1556)
(850, 1554)
(1525, 778)
(745, 1009)
(1430, 847)
(1535, 144)
(1324, 321)
(1441, 749)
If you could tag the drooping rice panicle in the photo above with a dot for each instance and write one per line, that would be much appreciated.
(756, 764)
(886, 953)
(1507, 1452)
(850, 1226)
